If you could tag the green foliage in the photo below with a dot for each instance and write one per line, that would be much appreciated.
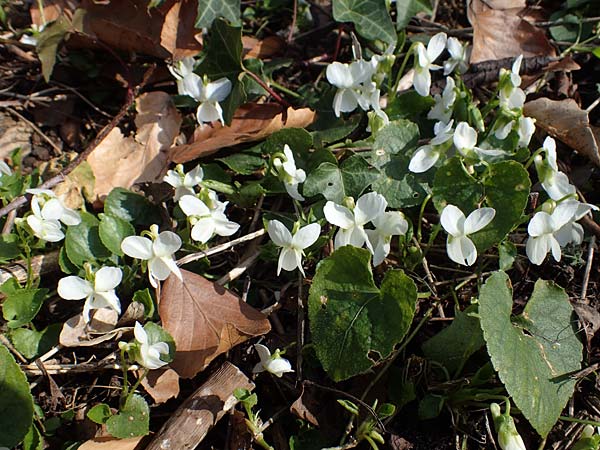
(130, 207)
(535, 352)
(350, 179)
(16, 402)
(33, 439)
(396, 138)
(370, 17)
(209, 10)
(9, 247)
(112, 230)
(83, 243)
(145, 299)
(407, 9)
(132, 420)
(21, 304)
(350, 318)
(400, 187)
(32, 343)
(99, 413)
(455, 344)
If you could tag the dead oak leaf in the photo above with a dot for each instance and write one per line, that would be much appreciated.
(500, 30)
(111, 443)
(162, 384)
(121, 161)
(566, 121)
(205, 320)
(251, 122)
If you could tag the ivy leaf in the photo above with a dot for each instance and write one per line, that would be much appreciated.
(350, 179)
(209, 10)
(16, 402)
(407, 9)
(535, 352)
(351, 320)
(133, 420)
(370, 17)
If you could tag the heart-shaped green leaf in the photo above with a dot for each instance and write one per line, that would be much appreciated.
(112, 231)
(370, 17)
(534, 352)
(16, 402)
(351, 320)
(133, 420)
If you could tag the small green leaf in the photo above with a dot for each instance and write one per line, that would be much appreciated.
(353, 176)
(243, 163)
(335, 133)
(9, 247)
(83, 243)
(48, 42)
(145, 299)
(20, 307)
(209, 10)
(370, 17)
(535, 352)
(351, 320)
(454, 185)
(409, 104)
(455, 344)
(407, 9)
(507, 253)
(130, 207)
(99, 414)
(33, 439)
(16, 402)
(133, 420)
(298, 139)
(400, 187)
(223, 52)
(31, 343)
(396, 138)
(112, 230)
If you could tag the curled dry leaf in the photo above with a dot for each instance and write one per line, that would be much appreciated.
(76, 333)
(178, 35)
(205, 320)
(251, 122)
(566, 121)
(121, 161)
(111, 443)
(500, 30)
(162, 384)
(261, 49)
(306, 406)
(51, 10)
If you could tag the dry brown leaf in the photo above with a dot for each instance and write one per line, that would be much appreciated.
(178, 35)
(205, 320)
(121, 161)
(110, 443)
(501, 31)
(76, 333)
(566, 121)
(51, 10)
(305, 405)
(256, 48)
(251, 122)
(162, 384)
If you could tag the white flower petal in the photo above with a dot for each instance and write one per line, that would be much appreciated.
(306, 236)
(537, 248)
(53, 209)
(279, 234)
(461, 250)
(217, 91)
(424, 159)
(453, 220)
(173, 178)
(107, 278)
(263, 352)
(478, 219)
(203, 230)
(104, 300)
(70, 217)
(338, 215)
(436, 46)
(368, 207)
(194, 177)
(465, 137)
(166, 244)
(422, 81)
(339, 75)
(159, 269)
(193, 206)
(74, 288)
(292, 190)
(278, 366)
(287, 260)
(345, 100)
(137, 247)
(540, 224)
(191, 85)
(208, 112)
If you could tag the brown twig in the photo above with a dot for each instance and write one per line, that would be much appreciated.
(35, 128)
(267, 88)
(48, 184)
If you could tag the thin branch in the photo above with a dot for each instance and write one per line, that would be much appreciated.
(219, 248)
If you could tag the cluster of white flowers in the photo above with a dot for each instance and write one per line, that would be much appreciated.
(555, 226)
(184, 183)
(158, 250)
(351, 222)
(207, 93)
(207, 217)
(98, 290)
(47, 214)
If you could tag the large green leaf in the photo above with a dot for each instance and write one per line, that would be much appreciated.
(398, 137)
(534, 352)
(133, 420)
(83, 243)
(20, 305)
(209, 10)
(454, 185)
(351, 320)
(350, 179)
(400, 187)
(370, 17)
(407, 9)
(16, 402)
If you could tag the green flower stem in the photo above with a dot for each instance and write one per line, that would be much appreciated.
(532, 158)
(581, 421)
(136, 385)
(283, 89)
(421, 213)
(124, 367)
(409, 53)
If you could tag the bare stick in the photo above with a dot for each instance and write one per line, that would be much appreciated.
(189, 425)
(588, 268)
(238, 270)
(40, 265)
(219, 248)
(48, 184)
(37, 130)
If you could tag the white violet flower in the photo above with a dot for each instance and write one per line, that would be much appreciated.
(459, 56)
(511, 96)
(351, 223)
(555, 183)
(292, 247)
(184, 183)
(442, 110)
(98, 293)
(274, 364)
(427, 155)
(465, 141)
(182, 68)
(48, 211)
(289, 174)
(424, 59)
(158, 250)
(508, 436)
(4, 170)
(458, 245)
(525, 131)
(149, 354)
(208, 94)
(207, 221)
(388, 224)
(349, 79)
